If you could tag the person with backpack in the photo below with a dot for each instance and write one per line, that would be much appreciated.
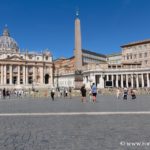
(83, 93)
(94, 92)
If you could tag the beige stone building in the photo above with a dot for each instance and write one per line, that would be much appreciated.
(23, 69)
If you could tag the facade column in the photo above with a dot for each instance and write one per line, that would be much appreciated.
(10, 74)
(26, 74)
(18, 75)
(116, 80)
(148, 84)
(41, 75)
(33, 74)
(122, 80)
(101, 81)
(112, 78)
(51, 77)
(107, 77)
(2, 75)
(127, 85)
(137, 81)
(132, 80)
(142, 79)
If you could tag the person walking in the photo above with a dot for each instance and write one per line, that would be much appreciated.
(94, 92)
(52, 94)
(90, 95)
(70, 91)
(125, 93)
(133, 95)
(4, 93)
(83, 93)
(118, 92)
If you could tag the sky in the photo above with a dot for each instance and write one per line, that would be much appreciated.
(37, 25)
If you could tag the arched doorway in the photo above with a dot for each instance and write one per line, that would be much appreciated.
(46, 78)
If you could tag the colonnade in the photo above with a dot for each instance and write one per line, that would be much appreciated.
(129, 80)
(133, 80)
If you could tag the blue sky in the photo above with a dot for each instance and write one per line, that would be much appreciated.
(105, 24)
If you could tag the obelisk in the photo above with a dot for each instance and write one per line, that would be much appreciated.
(77, 50)
(78, 54)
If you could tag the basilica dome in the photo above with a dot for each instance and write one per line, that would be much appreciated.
(7, 43)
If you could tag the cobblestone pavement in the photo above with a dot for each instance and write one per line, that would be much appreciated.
(82, 132)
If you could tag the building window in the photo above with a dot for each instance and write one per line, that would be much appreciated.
(21, 81)
(46, 57)
(37, 58)
(127, 57)
(140, 55)
(145, 54)
(7, 81)
(7, 68)
(146, 61)
(134, 56)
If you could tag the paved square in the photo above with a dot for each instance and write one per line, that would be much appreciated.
(68, 124)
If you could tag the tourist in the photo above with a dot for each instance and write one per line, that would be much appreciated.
(52, 94)
(4, 93)
(70, 90)
(94, 92)
(125, 93)
(118, 92)
(66, 93)
(83, 93)
(133, 95)
(90, 95)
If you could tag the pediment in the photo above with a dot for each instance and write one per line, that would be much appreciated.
(15, 57)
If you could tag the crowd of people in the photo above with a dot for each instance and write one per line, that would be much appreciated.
(125, 93)
(61, 92)
(92, 93)
(67, 93)
(7, 93)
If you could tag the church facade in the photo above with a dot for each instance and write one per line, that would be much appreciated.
(23, 69)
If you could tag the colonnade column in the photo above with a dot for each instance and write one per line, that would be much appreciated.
(18, 75)
(112, 78)
(137, 81)
(116, 80)
(33, 73)
(127, 80)
(107, 77)
(132, 80)
(148, 84)
(10, 74)
(122, 80)
(2, 74)
(142, 80)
